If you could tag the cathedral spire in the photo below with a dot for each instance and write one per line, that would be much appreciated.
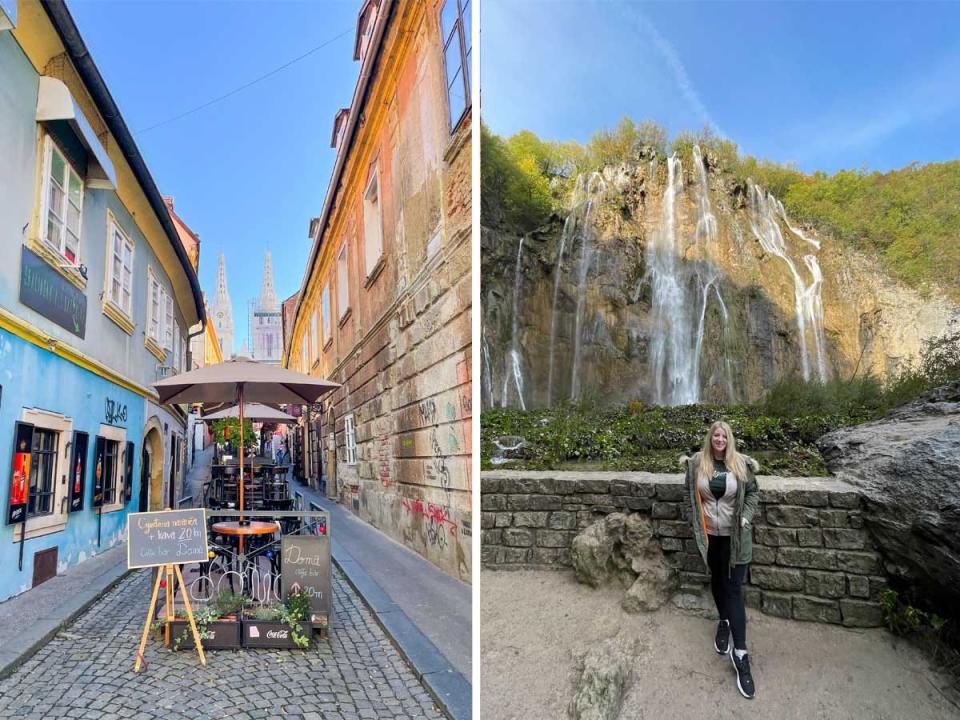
(268, 297)
(223, 310)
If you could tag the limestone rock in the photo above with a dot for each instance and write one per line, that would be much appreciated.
(604, 674)
(908, 468)
(595, 322)
(624, 547)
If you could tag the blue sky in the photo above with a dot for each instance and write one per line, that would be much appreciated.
(825, 85)
(247, 173)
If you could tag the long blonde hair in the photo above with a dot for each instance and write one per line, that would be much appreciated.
(732, 459)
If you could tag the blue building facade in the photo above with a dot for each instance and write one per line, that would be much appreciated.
(97, 301)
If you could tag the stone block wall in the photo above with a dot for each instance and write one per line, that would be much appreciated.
(812, 557)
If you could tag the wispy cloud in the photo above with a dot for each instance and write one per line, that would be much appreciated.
(672, 59)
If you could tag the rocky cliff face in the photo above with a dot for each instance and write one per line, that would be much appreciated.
(672, 282)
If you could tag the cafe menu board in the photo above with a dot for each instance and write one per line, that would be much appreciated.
(306, 565)
(170, 537)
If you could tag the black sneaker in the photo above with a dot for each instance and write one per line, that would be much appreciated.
(744, 676)
(722, 642)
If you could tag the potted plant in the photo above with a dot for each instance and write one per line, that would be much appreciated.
(284, 625)
(217, 624)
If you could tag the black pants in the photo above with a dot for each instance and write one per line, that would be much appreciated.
(727, 588)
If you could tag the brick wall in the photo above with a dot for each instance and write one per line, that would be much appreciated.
(812, 557)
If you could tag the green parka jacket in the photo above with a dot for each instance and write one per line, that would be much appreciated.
(748, 498)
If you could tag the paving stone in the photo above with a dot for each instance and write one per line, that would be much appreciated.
(86, 672)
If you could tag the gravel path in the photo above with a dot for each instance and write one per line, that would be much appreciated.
(534, 623)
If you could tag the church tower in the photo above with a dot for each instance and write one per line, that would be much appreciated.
(265, 328)
(223, 311)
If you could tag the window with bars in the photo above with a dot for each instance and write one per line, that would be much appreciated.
(455, 26)
(350, 436)
(63, 203)
(43, 465)
(119, 268)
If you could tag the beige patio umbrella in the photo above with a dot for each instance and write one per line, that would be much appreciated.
(252, 411)
(242, 381)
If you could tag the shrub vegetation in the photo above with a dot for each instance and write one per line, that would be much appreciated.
(780, 432)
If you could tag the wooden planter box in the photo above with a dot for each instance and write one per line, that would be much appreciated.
(218, 635)
(272, 633)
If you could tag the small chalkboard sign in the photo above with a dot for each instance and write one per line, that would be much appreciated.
(170, 537)
(306, 564)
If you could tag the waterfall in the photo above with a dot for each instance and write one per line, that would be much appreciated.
(808, 308)
(814, 307)
(782, 212)
(673, 360)
(486, 371)
(569, 227)
(595, 187)
(706, 221)
(513, 366)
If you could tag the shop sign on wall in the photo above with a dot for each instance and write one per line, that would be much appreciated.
(45, 290)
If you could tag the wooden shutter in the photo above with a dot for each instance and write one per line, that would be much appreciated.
(77, 477)
(20, 472)
(128, 473)
(98, 470)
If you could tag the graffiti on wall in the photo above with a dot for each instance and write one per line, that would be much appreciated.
(114, 412)
(439, 522)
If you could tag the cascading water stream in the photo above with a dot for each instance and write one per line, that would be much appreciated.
(764, 210)
(513, 365)
(782, 212)
(486, 371)
(706, 221)
(814, 307)
(673, 361)
(595, 187)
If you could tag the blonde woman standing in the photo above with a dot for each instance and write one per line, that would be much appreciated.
(723, 496)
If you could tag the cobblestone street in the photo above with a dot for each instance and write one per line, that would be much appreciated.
(87, 672)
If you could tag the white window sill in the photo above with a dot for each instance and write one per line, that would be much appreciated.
(39, 530)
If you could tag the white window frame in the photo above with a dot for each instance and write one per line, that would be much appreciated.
(168, 323)
(325, 314)
(343, 281)
(56, 520)
(60, 246)
(372, 223)
(155, 308)
(118, 435)
(125, 283)
(303, 354)
(314, 347)
(350, 439)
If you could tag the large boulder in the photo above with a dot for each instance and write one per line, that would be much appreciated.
(624, 548)
(907, 466)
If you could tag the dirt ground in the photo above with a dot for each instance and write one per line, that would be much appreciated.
(534, 623)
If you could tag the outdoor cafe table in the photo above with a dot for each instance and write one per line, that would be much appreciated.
(255, 527)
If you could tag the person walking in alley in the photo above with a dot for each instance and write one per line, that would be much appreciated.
(723, 495)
